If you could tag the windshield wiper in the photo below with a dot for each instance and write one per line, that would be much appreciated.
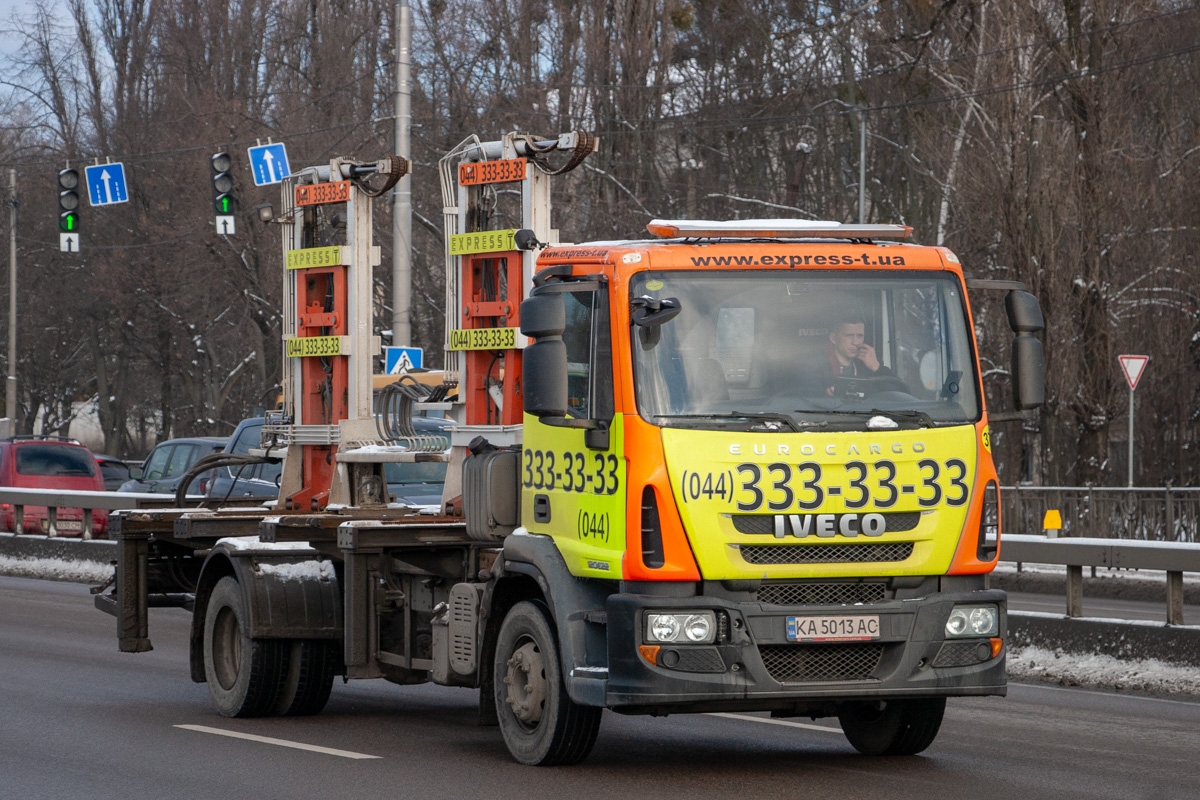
(915, 416)
(765, 417)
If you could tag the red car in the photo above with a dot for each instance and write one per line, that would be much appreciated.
(50, 462)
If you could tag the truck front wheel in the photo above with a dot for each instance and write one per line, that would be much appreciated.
(246, 677)
(892, 727)
(540, 723)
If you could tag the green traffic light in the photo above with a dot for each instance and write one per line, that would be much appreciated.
(225, 205)
(67, 223)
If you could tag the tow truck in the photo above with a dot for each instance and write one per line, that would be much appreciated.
(728, 466)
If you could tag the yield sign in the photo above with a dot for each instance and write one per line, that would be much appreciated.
(1133, 366)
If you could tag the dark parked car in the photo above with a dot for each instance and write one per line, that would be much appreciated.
(167, 463)
(411, 484)
(50, 462)
(420, 484)
(251, 481)
(115, 471)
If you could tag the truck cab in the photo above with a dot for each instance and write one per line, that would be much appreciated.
(773, 443)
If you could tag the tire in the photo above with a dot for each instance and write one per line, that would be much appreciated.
(312, 664)
(541, 725)
(892, 727)
(245, 676)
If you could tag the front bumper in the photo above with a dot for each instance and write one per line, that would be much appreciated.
(755, 667)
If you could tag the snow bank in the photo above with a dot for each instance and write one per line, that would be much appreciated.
(1072, 669)
(56, 569)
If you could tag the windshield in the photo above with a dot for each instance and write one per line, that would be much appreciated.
(784, 350)
(419, 472)
(51, 459)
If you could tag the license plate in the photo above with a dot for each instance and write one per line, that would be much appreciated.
(859, 628)
(70, 525)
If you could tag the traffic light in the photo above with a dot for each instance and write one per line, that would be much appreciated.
(222, 185)
(68, 201)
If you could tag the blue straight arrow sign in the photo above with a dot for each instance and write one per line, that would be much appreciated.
(106, 184)
(268, 163)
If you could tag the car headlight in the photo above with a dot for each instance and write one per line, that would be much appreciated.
(688, 627)
(973, 621)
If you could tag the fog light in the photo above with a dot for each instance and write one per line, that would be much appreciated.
(973, 621)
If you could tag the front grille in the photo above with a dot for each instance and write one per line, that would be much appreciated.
(825, 554)
(788, 663)
(764, 524)
(963, 653)
(820, 594)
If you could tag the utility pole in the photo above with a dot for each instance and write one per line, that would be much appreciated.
(862, 165)
(10, 404)
(402, 194)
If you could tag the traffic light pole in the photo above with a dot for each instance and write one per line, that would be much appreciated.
(10, 399)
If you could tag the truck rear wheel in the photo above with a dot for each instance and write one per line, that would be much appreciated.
(245, 676)
(540, 723)
(312, 664)
(892, 727)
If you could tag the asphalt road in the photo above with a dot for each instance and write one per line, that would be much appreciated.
(78, 719)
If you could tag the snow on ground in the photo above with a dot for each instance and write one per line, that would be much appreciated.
(1072, 669)
(56, 569)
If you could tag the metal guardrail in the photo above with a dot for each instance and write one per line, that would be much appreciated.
(53, 500)
(1075, 553)
(1156, 514)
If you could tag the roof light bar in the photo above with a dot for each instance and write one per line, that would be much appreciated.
(773, 229)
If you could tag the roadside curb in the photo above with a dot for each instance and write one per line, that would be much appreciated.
(101, 551)
(1119, 639)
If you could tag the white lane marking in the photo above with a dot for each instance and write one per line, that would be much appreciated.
(1183, 701)
(281, 742)
(770, 721)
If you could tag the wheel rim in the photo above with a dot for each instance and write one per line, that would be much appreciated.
(226, 648)
(526, 681)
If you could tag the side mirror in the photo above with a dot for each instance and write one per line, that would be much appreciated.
(544, 362)
(137, 471)
(1028, 362)
(1024, 312)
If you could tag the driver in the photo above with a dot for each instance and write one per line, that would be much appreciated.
(847, 355)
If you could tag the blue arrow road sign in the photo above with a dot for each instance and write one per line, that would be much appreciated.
(268, 163)
(106, 184)
(402, 359)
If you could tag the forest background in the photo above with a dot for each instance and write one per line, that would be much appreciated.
(1049, 141)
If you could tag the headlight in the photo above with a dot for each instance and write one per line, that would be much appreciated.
(689, 627)
(973, 621)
